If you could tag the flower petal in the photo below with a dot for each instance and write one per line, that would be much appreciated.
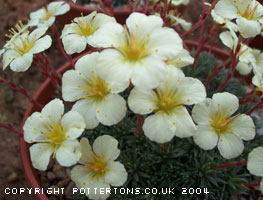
(87, 64)
(184, 124)
(159, 128)
(33, 127)
(230, 146)
(142, 101)
(164, 41)
(248, 28)
(116, 174)
(73, 123)
(53, 111)
(8, 57)
(191, 91)
(41, 45)
(68, 153)
(243, 126)
(226, 103)
(149, 72)
(71, 86)
(111, 110)
(74, 43)
(58, 8)
(88, 111)
(203, 111)
(86, 151)
(115, 36)
(113, 67)
(205, 137)
(106, 147)
(80, 175)
(22, 63)
(40, 155)
(255, 161)
(226, 8)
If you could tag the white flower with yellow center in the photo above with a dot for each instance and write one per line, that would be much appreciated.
(168, 102)
(245, 53)
(20, 53)
(255, 164)
(54, 133)
(217, 127)
(46, 16)
(80, 32)
(137, 50)
(98, 167)
(97, 99)
(248, 15)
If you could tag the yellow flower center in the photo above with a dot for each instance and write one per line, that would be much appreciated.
(96, 87)
(248, 13)
(134, 49)
(221, 122)
(24, 46)
(84, 29)
(97, 167)
(15, 32)
(166, 100)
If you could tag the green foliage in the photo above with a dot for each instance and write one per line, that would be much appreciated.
(180, 163)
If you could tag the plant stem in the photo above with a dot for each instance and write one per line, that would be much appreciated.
(252, 184)
(54, 71)
(257, 106)
(10, 128)
(233, 164)
(61, 49)
(20, 90)
(200, 20)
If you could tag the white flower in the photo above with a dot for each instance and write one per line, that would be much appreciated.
(97, 99)
(138, 50)
(98, 167)
(258, 61)
(217, 127)
(54, 133)
(248, 15)
(179, 60)
(180, 2)
(257, 80)
(245, 53)
(170, 116)
(255, 161)
(180, 21)
(46, 16)
(20, 53)
(80, 32)
(244, 68)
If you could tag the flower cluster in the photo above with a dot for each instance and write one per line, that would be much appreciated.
(136, 68)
